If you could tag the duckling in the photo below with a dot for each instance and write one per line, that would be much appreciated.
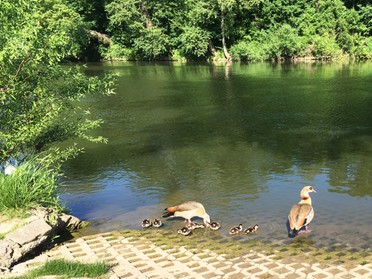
(157, 223)
(184, 231)
(237, 229)
(251, 229)
(194, 225)
(214, 226)
(146, 223)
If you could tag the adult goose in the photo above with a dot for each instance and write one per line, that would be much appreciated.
(302, 213)
(188, 210)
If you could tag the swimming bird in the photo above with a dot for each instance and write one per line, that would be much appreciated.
(302, 213)
(214, 226)
(251, 229)
(184, 231)
(146, 223)
(237, 229)
(157, 223)
(187, 210)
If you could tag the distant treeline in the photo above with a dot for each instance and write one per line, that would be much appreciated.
(227, 29)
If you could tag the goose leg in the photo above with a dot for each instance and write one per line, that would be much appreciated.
(306, 230)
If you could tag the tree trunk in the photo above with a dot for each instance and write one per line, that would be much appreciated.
(146, 15)
(212, 49)
(224, 47)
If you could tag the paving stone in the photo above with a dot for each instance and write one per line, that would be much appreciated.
(141, 258)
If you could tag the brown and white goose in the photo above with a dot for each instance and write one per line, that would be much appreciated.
(302, 213)
(188, 210)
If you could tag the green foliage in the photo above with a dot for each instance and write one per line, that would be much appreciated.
(68, 269)
(38, 94)
(325, 46)
(194, 42)
(152, 43)
(274, 44)
(39, 98)
(283, 42)
(117, 52)
(33, 184)
(143, 29)
(249, 50)
(93, 12)
(364, 50)
(365, 13)
(155, 29)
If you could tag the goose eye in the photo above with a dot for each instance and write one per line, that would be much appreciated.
(310, 188)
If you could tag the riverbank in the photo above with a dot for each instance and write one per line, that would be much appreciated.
(161, 253)
(22, 236)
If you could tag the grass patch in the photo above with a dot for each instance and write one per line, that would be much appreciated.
(32, 185)
(68, 269)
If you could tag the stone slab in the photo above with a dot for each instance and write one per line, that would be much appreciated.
(29, 232)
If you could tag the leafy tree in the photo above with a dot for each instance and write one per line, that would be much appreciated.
(151, 44)
(143, 29)
(38, 94)
(141, 25)
(366, 20)
(194, 41)
(92, 11)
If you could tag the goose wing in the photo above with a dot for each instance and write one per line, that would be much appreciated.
(186, 206)
(300, 215)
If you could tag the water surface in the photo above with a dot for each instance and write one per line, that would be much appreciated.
(243, 139)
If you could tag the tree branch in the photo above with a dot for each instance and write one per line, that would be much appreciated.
(103, 38)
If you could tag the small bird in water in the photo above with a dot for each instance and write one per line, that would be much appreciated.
(146, 223)
(184, 231)
(302, 213)
(251, 229)
(187, 210)
(214, 226)
(237, 229)
(157, 223)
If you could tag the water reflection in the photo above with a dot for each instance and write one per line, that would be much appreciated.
(241, 138)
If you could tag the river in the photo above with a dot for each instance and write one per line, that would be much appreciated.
(243, 139)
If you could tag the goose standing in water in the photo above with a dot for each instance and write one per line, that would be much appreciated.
(302, 213)
(188, 210)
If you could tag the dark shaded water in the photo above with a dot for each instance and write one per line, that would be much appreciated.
(242, 139)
